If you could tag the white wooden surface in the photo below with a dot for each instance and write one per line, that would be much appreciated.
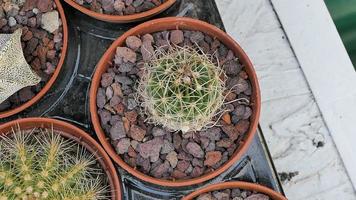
(327, 67)
(291, 120)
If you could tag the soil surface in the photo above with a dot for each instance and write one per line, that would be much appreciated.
(42, 35)
(153, 150)
(232, 194)
(120, 7)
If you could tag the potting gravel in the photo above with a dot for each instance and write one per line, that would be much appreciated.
(153, 150)
(232, 194)
(120, 7)
(42, 40)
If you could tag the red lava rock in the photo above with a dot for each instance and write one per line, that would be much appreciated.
(212, 133)
(242, 126)
(45, 5)
(105, 116)
(248, 113)
(195, 150)
(31, 46)
(204, 141)
(167, 147)
(108, 5)
(147, 38)
(257, 197)
(161, 169)
(51, 54)
(157, 131)
(42, 54)
(178, 174)
(151, 149)
(26, 94)
(184, 156)
(107, 79)
(196, 37)
(114, 101)
(172, 158)
(212, 157)
(137, 133)
(232, 67)
(36, 64)
(131, 116)
(133, 42)
(119, 6)
(126, 124)
(117, 89)
(239, 111)
(147, 51)
(197, 171)
(231, 96)
(123, 145)
(144, 163)
(225, 143)
(132, 153)
(117, 131)
(177, 36)
(29, 5)
(120, 108)
(182, 165)
(32, 22)
(226, 118)
(126, 54)
(177, 141)
(28, 36)
(243, 75)
(101, 98)
(231, 132)
(197, 162)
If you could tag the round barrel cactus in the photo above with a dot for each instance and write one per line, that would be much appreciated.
(44, 165)
(181, 89)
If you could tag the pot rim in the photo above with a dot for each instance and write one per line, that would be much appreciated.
(55, 74)
(236, 184)
(72, 132)
(175, 23)
(124, 18)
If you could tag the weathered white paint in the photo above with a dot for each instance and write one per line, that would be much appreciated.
(291, 120)
(327, 67)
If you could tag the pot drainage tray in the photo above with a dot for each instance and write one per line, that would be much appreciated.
(68, 99)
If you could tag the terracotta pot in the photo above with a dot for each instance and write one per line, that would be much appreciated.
(237, 184)
(171, 23)
(72, 132)
(125, 18)
(54, 76)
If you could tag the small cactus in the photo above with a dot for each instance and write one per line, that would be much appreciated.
(44, 165)
(181, 89)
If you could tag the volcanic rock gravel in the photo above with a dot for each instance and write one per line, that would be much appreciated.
(154, 150)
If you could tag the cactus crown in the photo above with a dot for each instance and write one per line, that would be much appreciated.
(44, 165)
(181, 89)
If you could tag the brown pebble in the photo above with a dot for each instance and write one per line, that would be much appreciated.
(212, 157)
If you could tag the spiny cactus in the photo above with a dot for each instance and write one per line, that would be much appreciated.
(44, 165)
(181, 89)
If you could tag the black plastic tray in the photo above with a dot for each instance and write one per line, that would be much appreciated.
(68, 99)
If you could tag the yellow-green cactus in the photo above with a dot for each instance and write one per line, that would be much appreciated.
(182, 89)
(15, 72)
(44, 165)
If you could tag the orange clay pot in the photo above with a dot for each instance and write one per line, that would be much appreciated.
(181, 23)
(124, 18)
(236, 184)
(54, 76)
(72, 132)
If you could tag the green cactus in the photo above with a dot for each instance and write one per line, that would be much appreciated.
(181, 89)
(44, 165)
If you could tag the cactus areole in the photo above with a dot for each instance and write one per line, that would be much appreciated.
(181, 89)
